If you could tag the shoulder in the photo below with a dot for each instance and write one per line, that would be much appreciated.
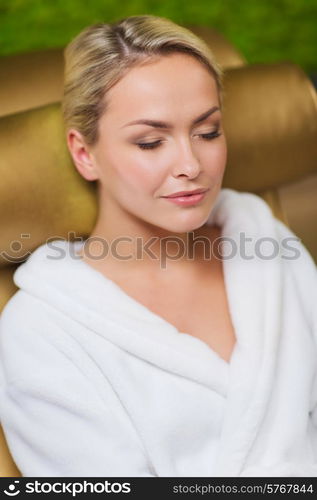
(24, 335)
(243, 200)
(34, 345)
(248, 212)
(237, 211)
(303, 269)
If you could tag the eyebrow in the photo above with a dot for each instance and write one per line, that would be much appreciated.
(164, 125)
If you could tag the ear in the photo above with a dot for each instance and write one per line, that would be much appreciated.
(82, 155)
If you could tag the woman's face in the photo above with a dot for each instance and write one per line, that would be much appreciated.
(181, 155)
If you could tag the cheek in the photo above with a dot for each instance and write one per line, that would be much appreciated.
(140, 172)
(216, 158)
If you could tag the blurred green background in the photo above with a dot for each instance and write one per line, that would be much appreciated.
(264, 31)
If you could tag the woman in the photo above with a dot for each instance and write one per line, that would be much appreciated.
(148, 350)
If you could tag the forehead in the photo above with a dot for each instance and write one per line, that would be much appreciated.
(171, 83)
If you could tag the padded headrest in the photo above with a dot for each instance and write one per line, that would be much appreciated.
(270, 118)
(41, 192)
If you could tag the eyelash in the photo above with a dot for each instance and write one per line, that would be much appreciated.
(153, 145)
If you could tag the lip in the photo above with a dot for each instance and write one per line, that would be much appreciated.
(186, 201)
(186, 193)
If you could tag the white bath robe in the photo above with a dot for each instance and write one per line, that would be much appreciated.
(93, 383)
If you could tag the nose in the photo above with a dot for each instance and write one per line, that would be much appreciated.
(186, 162)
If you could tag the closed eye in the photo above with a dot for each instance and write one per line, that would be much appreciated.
(152, 145)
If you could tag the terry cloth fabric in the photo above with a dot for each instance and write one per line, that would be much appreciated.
(93, 383)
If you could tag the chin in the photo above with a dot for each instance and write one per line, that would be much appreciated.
(186, 223)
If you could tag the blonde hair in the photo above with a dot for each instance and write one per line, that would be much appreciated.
(100, 55)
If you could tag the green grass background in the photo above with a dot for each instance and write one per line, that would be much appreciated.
(263, 30)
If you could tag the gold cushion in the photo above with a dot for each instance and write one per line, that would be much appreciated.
(42, 194)
(30, 80)
(270, 120)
